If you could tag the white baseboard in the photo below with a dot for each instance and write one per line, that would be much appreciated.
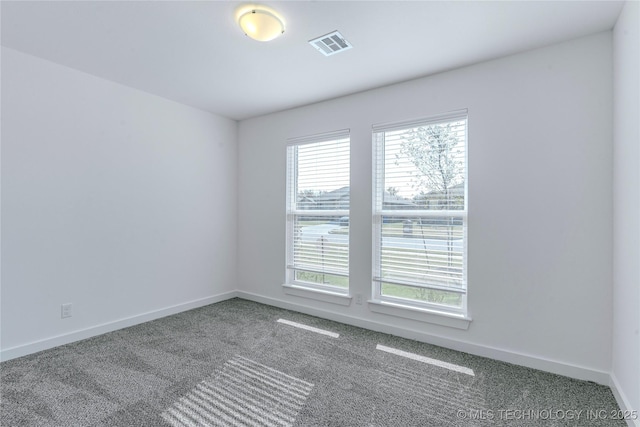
(47, 343)
(623, 401)
(534, 362)
(560, 368)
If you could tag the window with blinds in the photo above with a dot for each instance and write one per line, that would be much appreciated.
(420, 212)
(318, 211)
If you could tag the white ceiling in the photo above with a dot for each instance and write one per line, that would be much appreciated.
(194, 52)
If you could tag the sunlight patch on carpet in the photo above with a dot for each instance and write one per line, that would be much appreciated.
(423, 359)
(243, 393)
(309, 328)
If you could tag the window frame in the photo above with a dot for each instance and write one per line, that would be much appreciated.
(378, 189)
(293, 212)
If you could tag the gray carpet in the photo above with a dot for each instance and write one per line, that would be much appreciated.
(233, 363)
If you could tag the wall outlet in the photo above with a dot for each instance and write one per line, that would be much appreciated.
(66, 310)
(359, 299)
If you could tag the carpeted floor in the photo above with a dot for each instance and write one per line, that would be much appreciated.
(242, 363)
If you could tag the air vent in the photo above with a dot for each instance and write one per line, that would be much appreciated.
(330, 44)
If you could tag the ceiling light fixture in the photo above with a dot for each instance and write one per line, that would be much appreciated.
(260, 22)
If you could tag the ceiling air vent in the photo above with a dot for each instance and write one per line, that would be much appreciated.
(330, 44)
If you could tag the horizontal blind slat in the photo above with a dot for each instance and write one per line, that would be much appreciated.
(321, 137)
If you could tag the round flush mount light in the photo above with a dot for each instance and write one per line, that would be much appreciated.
(260, 22)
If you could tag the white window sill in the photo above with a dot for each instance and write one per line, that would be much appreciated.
(317, 294)
(442, 318)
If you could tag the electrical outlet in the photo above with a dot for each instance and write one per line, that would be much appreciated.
(359, 299)
(66, 310)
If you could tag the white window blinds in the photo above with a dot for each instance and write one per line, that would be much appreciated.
(318, 211)
(420, 212)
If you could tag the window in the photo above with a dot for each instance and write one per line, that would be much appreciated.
(420, 213)
(318, 212)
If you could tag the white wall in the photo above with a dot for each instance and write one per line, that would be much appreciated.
(115, 200)
(540, 203)
(626, 230)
